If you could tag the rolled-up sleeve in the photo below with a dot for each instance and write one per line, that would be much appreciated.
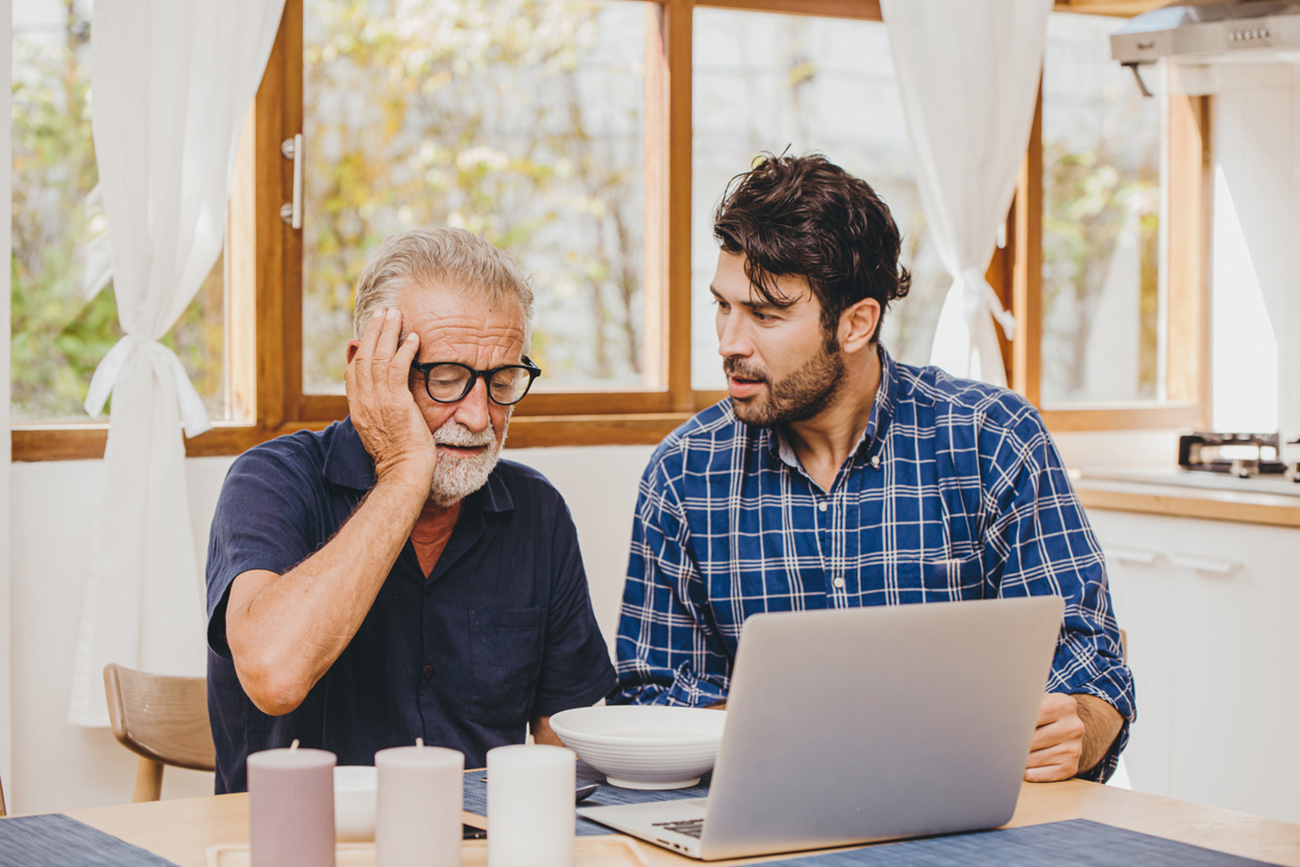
(665, 653)
(1039, 543)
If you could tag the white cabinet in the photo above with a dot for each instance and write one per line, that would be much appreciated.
(1212, 614)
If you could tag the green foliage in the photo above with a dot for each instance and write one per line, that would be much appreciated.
(54, 331)
(471, 113)
(58, 336)
(1088, 201)
(459, 112)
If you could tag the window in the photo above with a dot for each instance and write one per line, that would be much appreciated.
(1114, 305)
(765, 82)
(521, 121)
(1101, 221)
(64, 315)
(592, 139)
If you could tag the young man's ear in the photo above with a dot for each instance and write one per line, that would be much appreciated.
(858, 325)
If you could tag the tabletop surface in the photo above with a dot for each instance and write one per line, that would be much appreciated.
(182, 829)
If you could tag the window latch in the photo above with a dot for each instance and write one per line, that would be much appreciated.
(291, 212)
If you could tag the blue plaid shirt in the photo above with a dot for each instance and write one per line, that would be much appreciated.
(955, 491)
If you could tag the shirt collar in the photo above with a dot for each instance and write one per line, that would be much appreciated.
(347, 463)
(869, 443)
(882, 409)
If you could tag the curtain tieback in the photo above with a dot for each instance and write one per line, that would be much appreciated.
(978, 298)
(193, 413)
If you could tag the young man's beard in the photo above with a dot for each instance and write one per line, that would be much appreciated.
(802, 395)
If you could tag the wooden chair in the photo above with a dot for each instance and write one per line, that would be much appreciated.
(162, 719)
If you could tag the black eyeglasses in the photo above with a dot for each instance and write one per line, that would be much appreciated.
(450, 381)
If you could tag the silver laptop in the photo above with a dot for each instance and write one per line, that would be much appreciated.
(866, 724)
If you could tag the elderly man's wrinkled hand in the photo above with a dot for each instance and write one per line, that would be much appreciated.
(383, 410)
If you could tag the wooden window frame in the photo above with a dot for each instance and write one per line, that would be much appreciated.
(264, 271)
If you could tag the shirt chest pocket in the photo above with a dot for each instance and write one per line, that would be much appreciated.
(506, 646)
(942, 579)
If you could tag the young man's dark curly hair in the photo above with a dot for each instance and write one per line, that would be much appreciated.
(805, 216)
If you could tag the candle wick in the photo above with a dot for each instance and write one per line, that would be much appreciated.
(294, 745)
(419, 742)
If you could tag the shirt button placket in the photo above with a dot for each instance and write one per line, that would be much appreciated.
(837, 581)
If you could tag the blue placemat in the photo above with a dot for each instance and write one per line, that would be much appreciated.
(1076, 843)
(605, 796)
(54, 840)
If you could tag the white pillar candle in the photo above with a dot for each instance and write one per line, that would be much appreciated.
(291, 808)
(530, 806)
(418, 815)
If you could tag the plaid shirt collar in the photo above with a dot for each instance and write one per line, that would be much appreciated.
(871, 441)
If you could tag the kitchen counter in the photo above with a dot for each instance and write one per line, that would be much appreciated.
(1169, 490)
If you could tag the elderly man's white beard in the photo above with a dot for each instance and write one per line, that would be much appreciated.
(456, 477)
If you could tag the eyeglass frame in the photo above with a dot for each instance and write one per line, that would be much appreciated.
(426, 367)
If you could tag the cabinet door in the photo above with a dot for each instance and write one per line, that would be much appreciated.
(1236, 682)
(1144, 592)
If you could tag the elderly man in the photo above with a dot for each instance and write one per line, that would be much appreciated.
(388, 578)
(834, 476)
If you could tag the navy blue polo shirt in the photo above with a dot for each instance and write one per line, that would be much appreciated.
(501, 632)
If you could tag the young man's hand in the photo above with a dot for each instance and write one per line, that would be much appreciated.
(1074, 733)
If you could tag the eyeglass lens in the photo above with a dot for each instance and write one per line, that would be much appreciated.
(450, 382)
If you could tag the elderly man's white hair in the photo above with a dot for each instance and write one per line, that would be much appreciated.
(440, 258)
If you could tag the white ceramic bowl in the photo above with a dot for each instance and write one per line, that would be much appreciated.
(643, 746)
(356, 789)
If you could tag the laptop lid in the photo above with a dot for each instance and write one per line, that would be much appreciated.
(845, 726)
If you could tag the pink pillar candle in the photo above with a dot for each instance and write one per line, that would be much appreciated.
(530, 806)
(418, 815)
(291, 808)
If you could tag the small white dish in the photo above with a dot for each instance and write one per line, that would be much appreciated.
(644, 746)
(356, 790)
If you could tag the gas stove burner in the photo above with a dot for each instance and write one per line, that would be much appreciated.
(1240, 454)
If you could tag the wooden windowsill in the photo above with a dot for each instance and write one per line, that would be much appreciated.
(80, 442)
(1209, 503)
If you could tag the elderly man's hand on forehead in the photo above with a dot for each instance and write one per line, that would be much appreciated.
(383, 410)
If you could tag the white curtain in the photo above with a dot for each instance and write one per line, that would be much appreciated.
(968, 74)
(172, 82)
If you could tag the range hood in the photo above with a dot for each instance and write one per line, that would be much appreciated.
(1207, 31)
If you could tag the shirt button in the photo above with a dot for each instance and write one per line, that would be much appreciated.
(428, 587)
(821, 507)
(428, 672)
(838, 582)
(875, 462)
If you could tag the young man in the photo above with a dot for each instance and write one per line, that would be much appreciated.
(834, 476)
(387, 578)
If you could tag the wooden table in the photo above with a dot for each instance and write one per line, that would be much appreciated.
(181, 830)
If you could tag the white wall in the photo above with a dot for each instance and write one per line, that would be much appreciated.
(58, 766)
(1255, 253)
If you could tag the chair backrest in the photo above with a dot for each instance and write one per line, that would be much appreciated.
(161, 718)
